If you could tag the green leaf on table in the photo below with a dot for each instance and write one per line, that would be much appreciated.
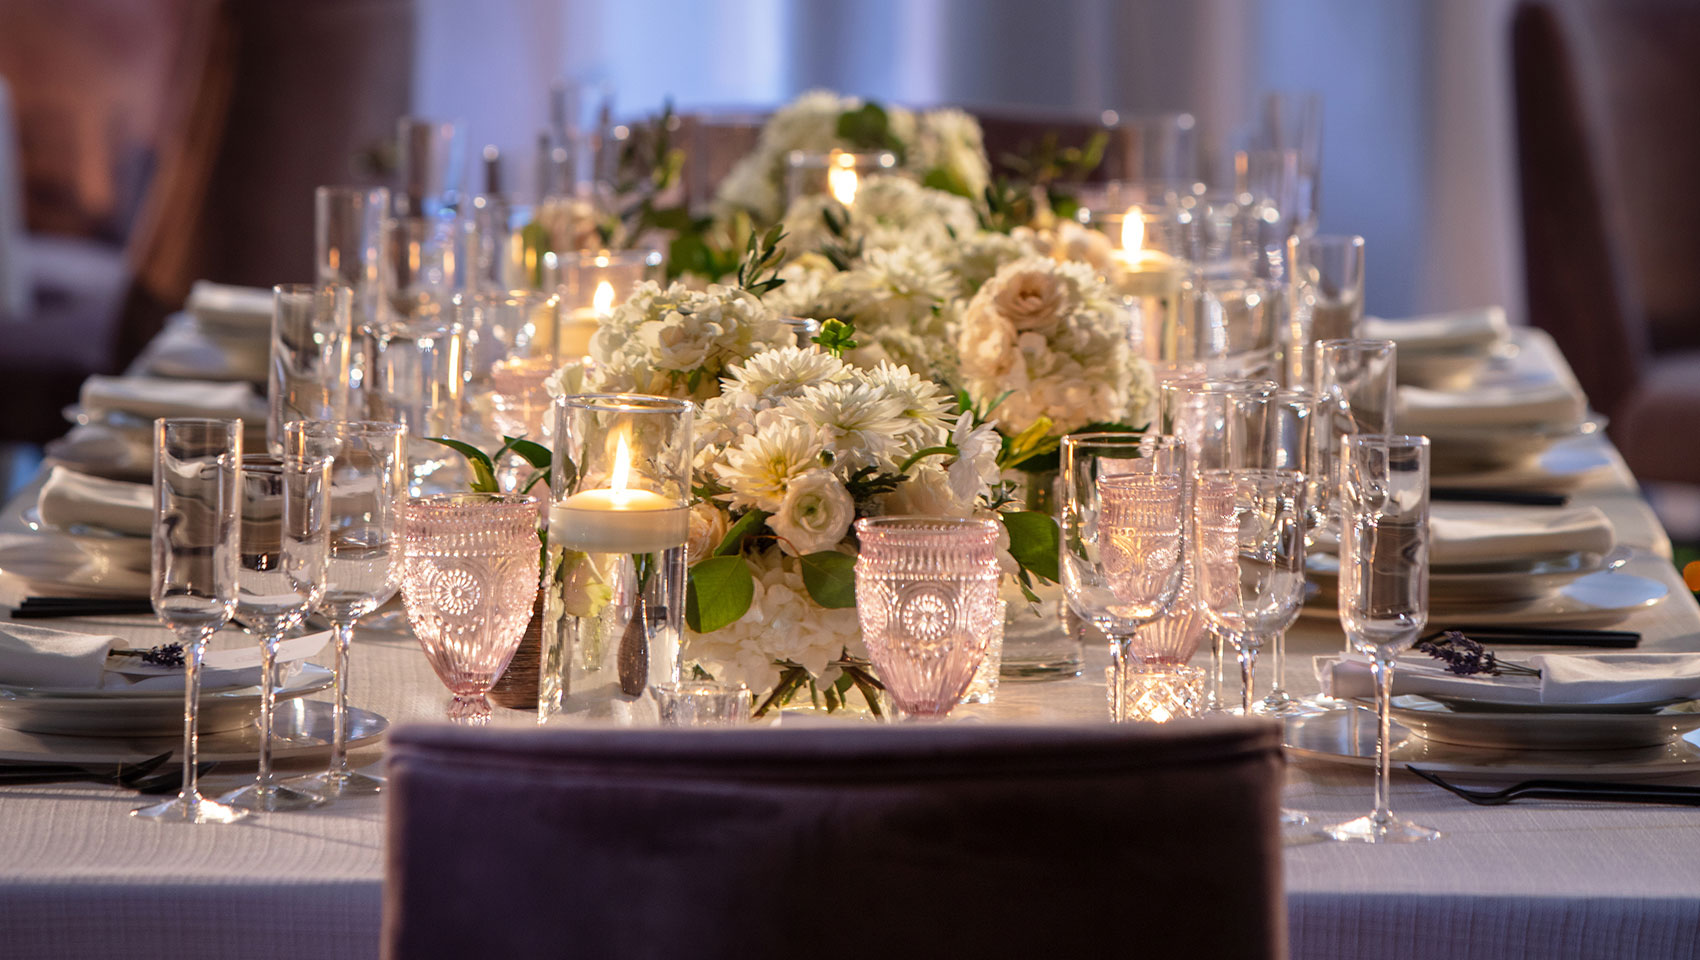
(718, 592)
(748, 524)
(1034, 542)
(483, 471)
(830, 577)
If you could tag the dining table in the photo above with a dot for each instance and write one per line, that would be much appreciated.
(1554, 879)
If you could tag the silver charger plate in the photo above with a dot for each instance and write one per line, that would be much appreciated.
(1522, 580)
(1348, 737)
(141, 714)
(303, 729)
(1595, 599)
(1539, 729)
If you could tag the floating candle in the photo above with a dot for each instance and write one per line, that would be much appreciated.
(619, 519)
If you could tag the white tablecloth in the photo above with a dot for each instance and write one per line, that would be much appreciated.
(1550, 880)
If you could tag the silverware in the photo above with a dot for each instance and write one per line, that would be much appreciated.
(1594, 790)
(1546, 636)
(129, 775)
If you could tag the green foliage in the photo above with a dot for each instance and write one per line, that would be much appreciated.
(830, 578)
(746, 526)
(1034, 542)
(868, 127)
(836, 337)
(867, 483)
(759, 271)
(483, 468)
(718, 591)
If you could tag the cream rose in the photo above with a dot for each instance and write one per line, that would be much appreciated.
(1032, 301)
(815, 514)
(708, 528)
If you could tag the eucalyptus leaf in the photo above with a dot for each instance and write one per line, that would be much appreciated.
(1034, 542)
(718, 592)
(830, 577)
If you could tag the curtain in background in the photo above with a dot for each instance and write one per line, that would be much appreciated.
(1417, 144)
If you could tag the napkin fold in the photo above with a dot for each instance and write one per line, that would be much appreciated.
(150, 397)
(1474, 534)
(1590, 678)
(183, 350)
(95, 448)
(1451, 332)
(69, 498)
(33, 656)
(224, 305)
(225, 669)
(1547, 403)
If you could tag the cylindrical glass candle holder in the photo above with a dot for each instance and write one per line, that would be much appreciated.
(615, 571)
(593, 283)
(308, 375)
(510, 353)
(1147, 268)
(838, 174)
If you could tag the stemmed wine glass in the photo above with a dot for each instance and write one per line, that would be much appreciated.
(1384, 545)
(1122, 534)
(197, 469)
(285, 502)
(1288, 446)
(368, 496)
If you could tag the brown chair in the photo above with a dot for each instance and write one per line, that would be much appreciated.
(952, 840)
(1608, 137)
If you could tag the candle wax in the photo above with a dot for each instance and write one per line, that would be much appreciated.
(619, 521)
(576, 330)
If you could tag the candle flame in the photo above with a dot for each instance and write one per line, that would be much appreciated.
(622, 466)
(603, 300)
(1133, 229)
(841, 180)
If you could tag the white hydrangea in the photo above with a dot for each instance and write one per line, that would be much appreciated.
(951, 143)
(890, 211)
(678, 342)
(783, 624)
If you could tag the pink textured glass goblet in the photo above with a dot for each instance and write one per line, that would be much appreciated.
(469, 580)
(927, 598)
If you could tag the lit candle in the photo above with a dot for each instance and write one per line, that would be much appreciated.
(1150, 280)
(619, 519)
(582, 322)
(841, 179)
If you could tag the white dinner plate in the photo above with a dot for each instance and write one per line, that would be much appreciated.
(1541, 729)
(138, 713)
(1563, 466)
(133, 553)
(1597, 599)
(303, 729)
(1348, 736)
(1441, 370)
(58, 566)
(1475, 449)
(1523, 580)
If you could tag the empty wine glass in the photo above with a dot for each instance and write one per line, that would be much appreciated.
(1355, 390)
(1383, 591)
(310, 356)
(368, 497)
(1291, 416)
(197, 470)
(1325, 291)
(1122, 533)
(927, 598)
(284, 507)
(469, 581)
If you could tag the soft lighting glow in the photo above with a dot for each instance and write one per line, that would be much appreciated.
(603, 301)
(841, 179)
(1133, 229)
(622, 467)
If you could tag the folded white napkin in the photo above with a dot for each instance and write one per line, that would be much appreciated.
(220, 669)
(95, 448)
(1455, 331)
(1565, 678)
(1547, 403)
(150, 397)
(225, 305)
(1483, 533)
(32, 656)
(183, 350)
(69, 498)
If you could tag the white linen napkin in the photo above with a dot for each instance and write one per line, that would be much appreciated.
(220, 669)
(1431, 412)
(1576, 678)
(150, 397)
(69, 498)
(1483, 533)
(95, 448)
(32, 656)
(182, 349)
(220, 304)
(1456, 331)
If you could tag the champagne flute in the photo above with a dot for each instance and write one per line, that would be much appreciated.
(1383, 591)
(197, 469)
(1355, 393)
(368, 495)
(1122, 534)
(1291, 417)
(285, 503)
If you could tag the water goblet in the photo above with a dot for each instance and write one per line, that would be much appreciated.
(469, 580)
(1383, 591)
(1123, 534)
(1291, 416)
(311, 356)
(285, 504)
(368, 497)
(197, 471)
(927, 598)
(1355, 392)
(1325, 297)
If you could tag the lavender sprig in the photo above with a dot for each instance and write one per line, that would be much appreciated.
(1467, 658)
(164, 655)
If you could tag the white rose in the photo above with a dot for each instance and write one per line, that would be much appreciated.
(815, 514)
(708, 528)
(926, 493)
(1032, 300)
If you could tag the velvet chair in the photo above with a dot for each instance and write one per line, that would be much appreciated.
(1608, 144)
(926, 841)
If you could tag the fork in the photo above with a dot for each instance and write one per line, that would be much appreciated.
(1599, 790)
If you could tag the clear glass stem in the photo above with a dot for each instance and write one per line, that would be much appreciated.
(1382, 666)
(1217, 666)
(1119, 647)
(190, 795)
(339, 769)
(263, 781)
(1247, 650)
(1278, 668)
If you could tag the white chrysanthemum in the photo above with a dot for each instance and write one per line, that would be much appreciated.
(860, 423)
(678, 342)
(785, 372)
(758, 469)
(924, 402)
(978, 257)
(783, 624)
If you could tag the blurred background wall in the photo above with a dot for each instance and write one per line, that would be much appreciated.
(1417, 152)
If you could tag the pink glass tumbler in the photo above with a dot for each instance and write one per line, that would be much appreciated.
(469, 582)
(927, 597)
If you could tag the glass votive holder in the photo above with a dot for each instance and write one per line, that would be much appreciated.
(984, 687)
(510, 354)
(615, 572)
(839, 173)
(1157, 693)
(593, 283)
(805, 329)
(703, 703)
(311, 355)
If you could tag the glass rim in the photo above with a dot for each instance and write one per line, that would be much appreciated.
(460, 497)
(228, 423)
(348, 190)
(1361, 344)
(1298, 476)
(1329, 240)
(1389, 441)
(813, 159)
(511, 297)
(358, 427)
(1120, 438)
(924, 521)
(623, 403)
(278, 462)
(309, 289)
(1227, 384)
(589, 257)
